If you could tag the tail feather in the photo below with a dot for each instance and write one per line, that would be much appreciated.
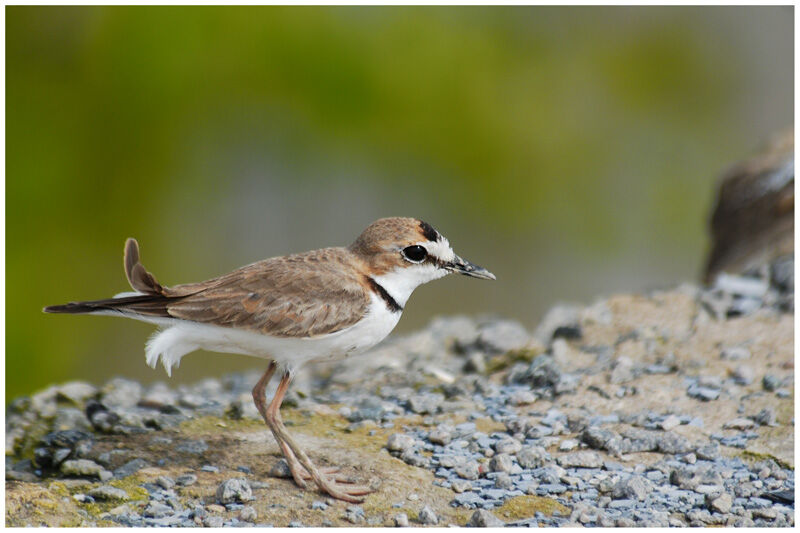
(143, 304)
(140, 279)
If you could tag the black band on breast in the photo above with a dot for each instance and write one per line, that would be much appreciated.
(393, 306)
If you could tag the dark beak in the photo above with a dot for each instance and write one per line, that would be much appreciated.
(462, 266)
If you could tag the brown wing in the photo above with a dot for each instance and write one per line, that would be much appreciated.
(301, 295)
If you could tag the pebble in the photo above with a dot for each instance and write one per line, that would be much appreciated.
(354, 514)
(770, 382)
(401, 520)
(427, 516)
(532, 456)
(85, 467)
(234, 490)
(722, 503)
(213, 521)
(567, 445)
(743, 375)
(443, 434)
(635, 487)
(735, 353)
(582, 459)
(248, 514)
(130, 468)
(501, 463)
(425, 404)
(765, 417)
(157, 510)
(469, 470)
(670, 423)
(184, 480)
(398, 442)
(739, 423)
(507, 445)
(705, 394)
(482, 518)
(107, 492)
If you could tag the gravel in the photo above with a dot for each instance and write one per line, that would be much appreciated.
(522, 432)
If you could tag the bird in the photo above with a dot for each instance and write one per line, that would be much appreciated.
(321, 305)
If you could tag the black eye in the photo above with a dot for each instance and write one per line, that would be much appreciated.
(415, 254)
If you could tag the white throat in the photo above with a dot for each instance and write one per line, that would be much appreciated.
(401, 282)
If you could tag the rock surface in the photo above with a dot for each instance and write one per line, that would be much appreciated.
(633, 411)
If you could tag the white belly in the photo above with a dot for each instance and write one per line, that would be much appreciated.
(182, 337)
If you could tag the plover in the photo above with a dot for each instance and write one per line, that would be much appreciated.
(320, 305)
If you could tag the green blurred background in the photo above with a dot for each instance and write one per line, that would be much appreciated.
(572, 151)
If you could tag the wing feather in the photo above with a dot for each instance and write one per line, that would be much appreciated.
(300, 295)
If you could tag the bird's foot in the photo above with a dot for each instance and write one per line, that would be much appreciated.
(330, 481)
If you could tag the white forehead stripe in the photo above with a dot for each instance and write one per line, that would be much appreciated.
(440, 249)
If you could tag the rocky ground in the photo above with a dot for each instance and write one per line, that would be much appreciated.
(673, 408)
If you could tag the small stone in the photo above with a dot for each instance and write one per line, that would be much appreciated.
(582, 459)
(157, 510)
(427, 516)
(425, 404)
(398, 442)
(622, 371)
(503, 481)
(107, 492)
(483, 518)
(280, 470)
(354, 514)
(468, 470)
(735, 353)
(507, 445)
(770, 382)
(739, 423)
(401, 520)
(722, 503)
(501, 463)
(209, 468)
(443, 434)
(670, 423)
(709, 452)
(765, 417)
(522, 397)
(184, 480)
(234, 490)
(567, 445)
(317, 505)
(197, 446)
(130, 468)
(84, 467)
(460, 485)
(213, 521)
(215, 508)
(120, 392)
(165, 482)
(705, 394)
(476, 362)
(673, 443)
(532, 456)
(248, 514)
(767, 513)
(743, 375)
(75, 391)
(635, 487)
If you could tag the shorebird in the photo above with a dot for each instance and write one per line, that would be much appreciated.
(320, 305)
